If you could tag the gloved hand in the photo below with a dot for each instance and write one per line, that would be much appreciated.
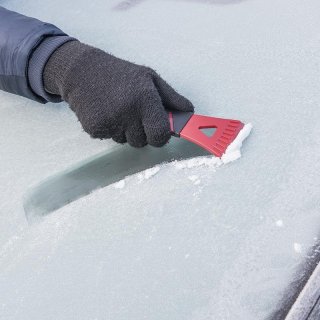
(113, 98)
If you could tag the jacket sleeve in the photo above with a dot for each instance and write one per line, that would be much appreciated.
(25, 46)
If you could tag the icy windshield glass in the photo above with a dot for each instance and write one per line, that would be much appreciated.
(185, 240)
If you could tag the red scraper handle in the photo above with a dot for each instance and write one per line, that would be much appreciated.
(188, 125)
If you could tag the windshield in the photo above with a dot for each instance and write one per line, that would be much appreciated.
(186, 240)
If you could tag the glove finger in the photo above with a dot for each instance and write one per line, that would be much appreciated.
(98, 134)
(155, 120)
(170, 98)
(119, 137)
(136, 136)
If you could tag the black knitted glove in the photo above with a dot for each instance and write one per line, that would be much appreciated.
(113, 98)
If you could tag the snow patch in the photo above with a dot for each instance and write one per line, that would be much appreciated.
(147, 174)
(207, 161)
(195, 179)
(233, 151)
(120, 184)
(297, 247)
(279, 223)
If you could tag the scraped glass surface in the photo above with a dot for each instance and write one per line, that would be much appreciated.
(188, 241)
(109, 167)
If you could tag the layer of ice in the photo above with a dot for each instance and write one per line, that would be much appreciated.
(164, 248)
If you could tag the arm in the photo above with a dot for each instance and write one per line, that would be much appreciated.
(111, 97)
(20, 36)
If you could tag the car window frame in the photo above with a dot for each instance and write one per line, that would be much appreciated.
(301, 299)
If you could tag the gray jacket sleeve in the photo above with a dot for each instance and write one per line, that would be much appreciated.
(25, 46)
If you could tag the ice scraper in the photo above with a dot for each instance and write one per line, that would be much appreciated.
(121, 161)
(226, 135)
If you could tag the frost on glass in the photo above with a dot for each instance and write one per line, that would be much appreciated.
(184, 240)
